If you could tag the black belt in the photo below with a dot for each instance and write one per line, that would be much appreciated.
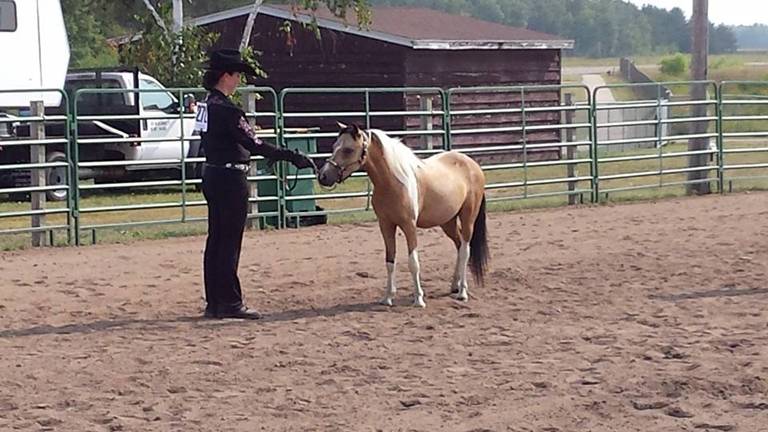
(239, 166)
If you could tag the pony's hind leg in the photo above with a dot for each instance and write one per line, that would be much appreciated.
(467, 219)
(451, 229)
(388, 231)
(462, 291)
(413, 264)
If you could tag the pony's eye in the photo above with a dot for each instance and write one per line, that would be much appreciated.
(346, 151)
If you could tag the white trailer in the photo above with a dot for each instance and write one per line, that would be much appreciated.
(35, 50)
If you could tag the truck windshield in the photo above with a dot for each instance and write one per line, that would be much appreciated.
(154, 100)
(72, 85)
(7, 16)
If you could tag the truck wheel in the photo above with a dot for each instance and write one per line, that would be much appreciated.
(56, 177)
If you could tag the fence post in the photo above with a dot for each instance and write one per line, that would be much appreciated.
(593, 153)
(720, 141)
(570, 151)
(426, 120)
(37, 156)
(253, 188)
(447, 119)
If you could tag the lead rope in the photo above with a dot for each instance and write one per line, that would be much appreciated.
(295, 182)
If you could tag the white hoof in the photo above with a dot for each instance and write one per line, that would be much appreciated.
(419, 302)
(386, 301)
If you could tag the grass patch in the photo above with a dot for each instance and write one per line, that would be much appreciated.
(619, 93)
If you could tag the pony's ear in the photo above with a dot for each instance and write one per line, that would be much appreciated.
(355, 130)
(341, 125)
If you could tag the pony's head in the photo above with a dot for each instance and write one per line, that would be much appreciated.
(349, 154)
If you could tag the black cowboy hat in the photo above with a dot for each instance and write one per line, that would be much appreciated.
(228, 60)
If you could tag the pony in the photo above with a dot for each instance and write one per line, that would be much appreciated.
(446, 190)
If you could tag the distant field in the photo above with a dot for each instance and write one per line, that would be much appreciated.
(738, 58)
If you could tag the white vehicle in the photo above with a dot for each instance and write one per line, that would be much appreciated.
(32, 33)
(33, 43)
(159, 111)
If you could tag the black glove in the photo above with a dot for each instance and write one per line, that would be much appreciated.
(300, 160)
(297, 158)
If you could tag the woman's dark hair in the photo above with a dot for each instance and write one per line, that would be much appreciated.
(211, 78)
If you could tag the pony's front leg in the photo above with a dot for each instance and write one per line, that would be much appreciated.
(413, 264)
(388, 231)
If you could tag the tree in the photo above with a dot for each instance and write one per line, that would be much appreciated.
(670, 29)
(160, 54)
(86, 34)
(722, 39)
(488, 10)
(177, 59)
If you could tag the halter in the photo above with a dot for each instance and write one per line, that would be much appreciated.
(360, 161)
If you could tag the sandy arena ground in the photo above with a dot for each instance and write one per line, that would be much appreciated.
(639, 317)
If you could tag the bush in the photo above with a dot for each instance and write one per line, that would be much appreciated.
(675, 66)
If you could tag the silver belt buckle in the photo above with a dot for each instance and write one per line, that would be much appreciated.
(237, 166)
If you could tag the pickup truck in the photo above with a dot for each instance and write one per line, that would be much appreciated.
(162, 108)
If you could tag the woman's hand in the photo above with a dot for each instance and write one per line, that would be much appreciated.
(300, 160)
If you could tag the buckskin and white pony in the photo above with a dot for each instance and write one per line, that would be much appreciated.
(446, 189)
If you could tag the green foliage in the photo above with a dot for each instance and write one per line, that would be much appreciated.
(87, 37)
(161, 53)
(722, 40)
(90, 23)
(176, 60)
(338, 8)
(675, 65)
(724, 62)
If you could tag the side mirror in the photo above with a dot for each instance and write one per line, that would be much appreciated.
(190, 103)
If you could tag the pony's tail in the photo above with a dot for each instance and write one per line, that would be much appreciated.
(478, 246)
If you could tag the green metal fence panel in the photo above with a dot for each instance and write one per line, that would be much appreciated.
(744, 124)
(532, 141)
(414, 114)
(643, 144)
(547, 142)
(144, 158)
(33, 196)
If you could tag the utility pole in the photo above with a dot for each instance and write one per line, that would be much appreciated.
(699, 51)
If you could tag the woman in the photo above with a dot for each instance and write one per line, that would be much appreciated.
(228, 142)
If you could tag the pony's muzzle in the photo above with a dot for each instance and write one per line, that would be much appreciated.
(328, 175)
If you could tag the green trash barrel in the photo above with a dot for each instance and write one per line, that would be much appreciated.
(268, 188)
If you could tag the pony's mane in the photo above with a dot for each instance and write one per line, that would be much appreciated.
(403, 163)
(401, 160)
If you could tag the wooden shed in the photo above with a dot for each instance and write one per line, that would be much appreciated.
(404, 47)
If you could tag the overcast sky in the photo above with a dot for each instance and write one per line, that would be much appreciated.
(732, 12)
